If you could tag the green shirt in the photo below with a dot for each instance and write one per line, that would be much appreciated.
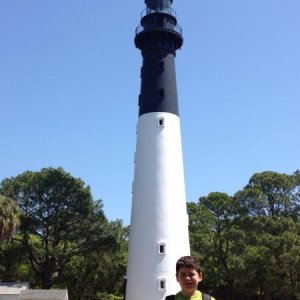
(197, 296)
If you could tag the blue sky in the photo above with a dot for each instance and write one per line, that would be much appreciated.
(69, 84)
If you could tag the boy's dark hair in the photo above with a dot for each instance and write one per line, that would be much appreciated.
(188, 262)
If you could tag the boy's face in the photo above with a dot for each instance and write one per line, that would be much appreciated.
(188, 278)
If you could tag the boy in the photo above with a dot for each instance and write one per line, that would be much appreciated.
(188, 276)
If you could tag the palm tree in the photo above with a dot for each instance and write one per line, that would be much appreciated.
(9, 218)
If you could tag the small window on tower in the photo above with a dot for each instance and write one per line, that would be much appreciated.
(161, 93)
(162, 248)
(160, 66)
(132, 187)
(161, 122)
(162, 284)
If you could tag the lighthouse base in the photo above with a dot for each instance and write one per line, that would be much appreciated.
(159, 220)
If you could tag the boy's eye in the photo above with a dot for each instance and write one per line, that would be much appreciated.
(183, 275)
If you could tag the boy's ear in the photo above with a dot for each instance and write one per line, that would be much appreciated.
(200, 276)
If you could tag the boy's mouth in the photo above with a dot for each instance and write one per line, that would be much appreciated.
(188, 284)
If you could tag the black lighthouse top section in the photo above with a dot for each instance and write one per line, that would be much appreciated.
(158, 18)
(158, 37)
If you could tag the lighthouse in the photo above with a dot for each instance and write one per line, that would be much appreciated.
(159, 221)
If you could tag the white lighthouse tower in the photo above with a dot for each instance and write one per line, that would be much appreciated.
(159, 221)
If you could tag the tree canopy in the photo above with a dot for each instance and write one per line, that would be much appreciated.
(60, 223)
(249, 243)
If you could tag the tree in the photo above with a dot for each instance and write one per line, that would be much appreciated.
(9, 218)
(99, 274)
(271, 194)
(220, 250)
(59, 221)
(269, 215)
(272, 257)
(249, 244)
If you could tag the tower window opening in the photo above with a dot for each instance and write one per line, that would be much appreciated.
(162, 43)
(132, 187)
(162, 248)
(160, 66)
(161, 93)
(160, 122)
(162, 284)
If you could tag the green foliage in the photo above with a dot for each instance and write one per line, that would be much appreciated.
(106, 296)
(13, 262)
(270, 194)
(9, 218)
(272, 255)
(249, 244)
(99, 271)
(64, 236)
